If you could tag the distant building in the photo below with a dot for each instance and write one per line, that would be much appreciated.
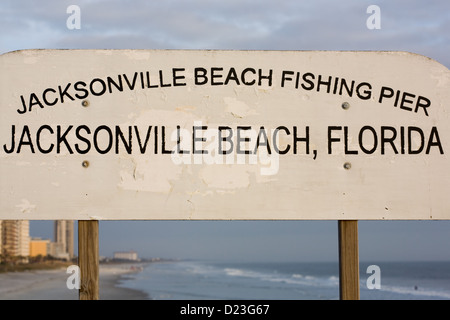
(15, 238)
(126, 255)
(39, 246)
(56, 249)
(64, 239)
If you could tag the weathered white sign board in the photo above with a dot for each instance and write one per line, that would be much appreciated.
(174, 134)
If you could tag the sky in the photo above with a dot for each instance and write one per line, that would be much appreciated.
(417, 26)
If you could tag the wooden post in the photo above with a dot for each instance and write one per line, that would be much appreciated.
(88, 259)
(348, 260)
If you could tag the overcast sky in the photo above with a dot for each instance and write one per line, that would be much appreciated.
(417, 26)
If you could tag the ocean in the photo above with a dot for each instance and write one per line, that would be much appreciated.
(209, 280)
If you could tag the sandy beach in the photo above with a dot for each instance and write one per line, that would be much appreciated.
(51, 284)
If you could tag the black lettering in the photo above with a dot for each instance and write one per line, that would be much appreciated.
(225, 139)
(13, 140)
(44, 97)
(268, 77)
(23, 142)
(200, 73)
(405, 100)
(34, 101)
(326, 83)
(262, 132)
(179, 151)
(397, 96)
(102, 84)
(81, 89)
(38, 139)
(297, 79)
(64, 93)
(431, 143)
(330, 139)
(402, 140)
(284, 76)
(336, 81)
(274, 138)
(85, 140)
(156, 140)
(23, 105)
(141, 74)
(243, 76)
(178, 77)
(302, 139)
(133, 84)
(195, 139)
(375, 139)
(306, 79)
(61, 138)
(367, 94)
(239, 139)
(422, 139)
(386, 92)
(161, 80)
(163, 146)
(346, 143)
(143, 147)
(147, 76)
(214, 75)
(423, 103)
(127, 144)
(232, 75)
(96, 139)
(111, 83)
(390, 140)
(349, 90)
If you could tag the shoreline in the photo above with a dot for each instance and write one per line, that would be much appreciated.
(111, 276)
(51, 284)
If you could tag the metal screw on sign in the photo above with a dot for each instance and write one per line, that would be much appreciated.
(345, 105)
(85, 164)
(85, 103)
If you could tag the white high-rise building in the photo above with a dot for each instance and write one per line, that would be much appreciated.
(24, 238)
(126, 255)
(64, 233)
(15, 238)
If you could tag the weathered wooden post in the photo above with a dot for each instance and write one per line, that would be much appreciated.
(88, 259)
(348, 260)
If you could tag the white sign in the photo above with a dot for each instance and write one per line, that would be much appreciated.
(176, 134)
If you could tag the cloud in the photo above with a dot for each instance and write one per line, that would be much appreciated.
(413, 26)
